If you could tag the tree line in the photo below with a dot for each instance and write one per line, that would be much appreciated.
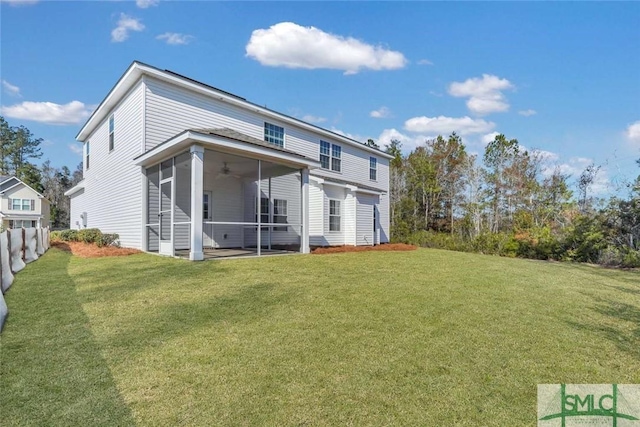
(19, 148)
(508, 202)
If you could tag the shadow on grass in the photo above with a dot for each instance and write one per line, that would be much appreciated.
(620, 314)
(51, 369)
(156, 326)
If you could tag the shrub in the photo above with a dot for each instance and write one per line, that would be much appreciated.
(89, 235)
(65, 235)
(107, 240)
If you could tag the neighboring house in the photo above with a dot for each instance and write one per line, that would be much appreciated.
(21, 205)
(172, 164)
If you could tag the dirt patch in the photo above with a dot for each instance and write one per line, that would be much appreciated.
(384, 247)
(86, 250)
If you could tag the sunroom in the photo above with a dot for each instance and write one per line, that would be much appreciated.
(217, 192)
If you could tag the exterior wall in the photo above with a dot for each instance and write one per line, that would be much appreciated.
(365, 206)
(113, 197)
(285, 187)
(171, 110)
(333, 238)
(350, 218)
(316, 214)
(226, 206)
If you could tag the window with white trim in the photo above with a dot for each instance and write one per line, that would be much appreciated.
(22, 204)
(22, 223)
(206, 206)
(274, 134)
(279, 213)
(373, 169)
(330, 156)
(111, 133)
(334, 215)
(264, 210)
(86, 155)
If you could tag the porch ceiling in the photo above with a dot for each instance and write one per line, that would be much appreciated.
(225, 141)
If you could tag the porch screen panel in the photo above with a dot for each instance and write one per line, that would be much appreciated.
(153, 207)
(165, 206)
(182, 215)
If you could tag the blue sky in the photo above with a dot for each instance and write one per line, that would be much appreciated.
(563, 78)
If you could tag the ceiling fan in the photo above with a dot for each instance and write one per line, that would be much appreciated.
(225, 172)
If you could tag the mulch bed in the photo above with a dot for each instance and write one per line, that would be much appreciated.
(86, 250)
(383, 247)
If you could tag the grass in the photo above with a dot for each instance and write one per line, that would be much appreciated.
(414, 338)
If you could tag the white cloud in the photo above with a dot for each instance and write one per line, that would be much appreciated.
(313, 119)
(290, 45)
(442, 125)
(486, 139)
(75, 148)
(19, 2)
(11, 89)
(143, 4)
(633, 132)
(380, 113)
(409, 142)
(485, 94)
(49, 112)
(528, 112)
(574, 168)
(175, 38)
(126, 24)
(425, 62)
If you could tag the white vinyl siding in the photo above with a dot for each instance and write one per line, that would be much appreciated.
(364, 224)
(115, 177)
(349, 220)
(316, 218)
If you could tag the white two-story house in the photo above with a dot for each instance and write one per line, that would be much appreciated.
(21, 205)
(176, 166)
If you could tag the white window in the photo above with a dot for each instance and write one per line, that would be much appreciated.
(274, 134)
(264, 210)
(334, 215)
(111, 132)
(206, 206)
(330, 156)
(22, 204)
(86, 159)
(279, 213)
(22, 223)
(373, 168)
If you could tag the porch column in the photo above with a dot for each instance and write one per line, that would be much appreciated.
(197, 173)
(304, 210)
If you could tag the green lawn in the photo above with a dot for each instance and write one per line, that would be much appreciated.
(428, 337)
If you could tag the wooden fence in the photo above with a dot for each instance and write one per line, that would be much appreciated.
(18, 247)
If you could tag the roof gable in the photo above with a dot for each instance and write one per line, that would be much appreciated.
(138, 69)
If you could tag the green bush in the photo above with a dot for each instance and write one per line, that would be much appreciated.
(107, 240)
(65, 235)
(89, 235)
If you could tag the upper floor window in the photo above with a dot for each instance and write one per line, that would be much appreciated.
(373, 169)
(330, 156)
(86, 155)
(22, 204)
(274, 134)
(111, 132)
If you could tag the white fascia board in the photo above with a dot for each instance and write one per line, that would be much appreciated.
(73, 190)
(367, 191)
(184, 140)
(136, 70)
